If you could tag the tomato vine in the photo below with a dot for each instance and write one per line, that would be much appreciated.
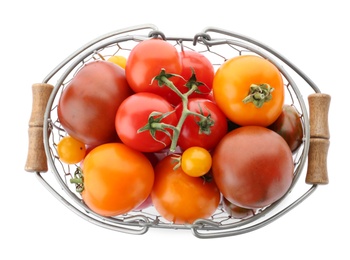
(154, 123)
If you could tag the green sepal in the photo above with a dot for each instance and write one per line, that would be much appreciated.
(259, 94)
(160, 78)
(154, 124)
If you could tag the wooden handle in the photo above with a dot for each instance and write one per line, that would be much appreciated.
(317, 161)
(36, 158)
(319, 139)
(319, 107)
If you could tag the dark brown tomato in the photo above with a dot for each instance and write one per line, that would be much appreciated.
(252, 167)
(88, 105)
(289, 126)
(235, 211)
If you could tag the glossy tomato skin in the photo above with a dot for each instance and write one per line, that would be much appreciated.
(289, 126)
(146, 60)
(117, 179)
(180, 198)
(88, 105)
(70, 150)
(133, 114)
(196, 161)
(204, 71)
(253, 167)
(232, 83)
(191, 135)
(146, 204)
(118, 60)
(235, 211)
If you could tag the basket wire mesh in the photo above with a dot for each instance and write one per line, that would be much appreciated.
(217, 45)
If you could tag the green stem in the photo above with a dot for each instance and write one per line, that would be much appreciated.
(185, 111)
(171, 85)
(78, 180)
(191, 90)
(202, 117)
(163, 79)
(162, 126)
(184, 114)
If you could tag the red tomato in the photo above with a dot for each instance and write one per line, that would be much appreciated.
(133, 114)
(196, 132)
(253, 166)
(117, 179)
(88, 105)
(180, 198)
(196, 62)
(146, 60)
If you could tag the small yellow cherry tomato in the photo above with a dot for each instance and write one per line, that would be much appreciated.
(70, 150)
(118, 59)
(196, 161)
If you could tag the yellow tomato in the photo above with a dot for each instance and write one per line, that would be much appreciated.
(118, 59)
(196, 161)
(70, 150)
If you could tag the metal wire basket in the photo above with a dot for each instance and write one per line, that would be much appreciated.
(217, 45)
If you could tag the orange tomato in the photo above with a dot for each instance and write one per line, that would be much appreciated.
(233, 82)
(117, 179)
(181, 198)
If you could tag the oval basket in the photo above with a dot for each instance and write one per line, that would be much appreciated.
(217, 45)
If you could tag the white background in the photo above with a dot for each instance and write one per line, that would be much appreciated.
(37, 35)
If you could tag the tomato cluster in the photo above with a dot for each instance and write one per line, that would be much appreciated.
(156, 129)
